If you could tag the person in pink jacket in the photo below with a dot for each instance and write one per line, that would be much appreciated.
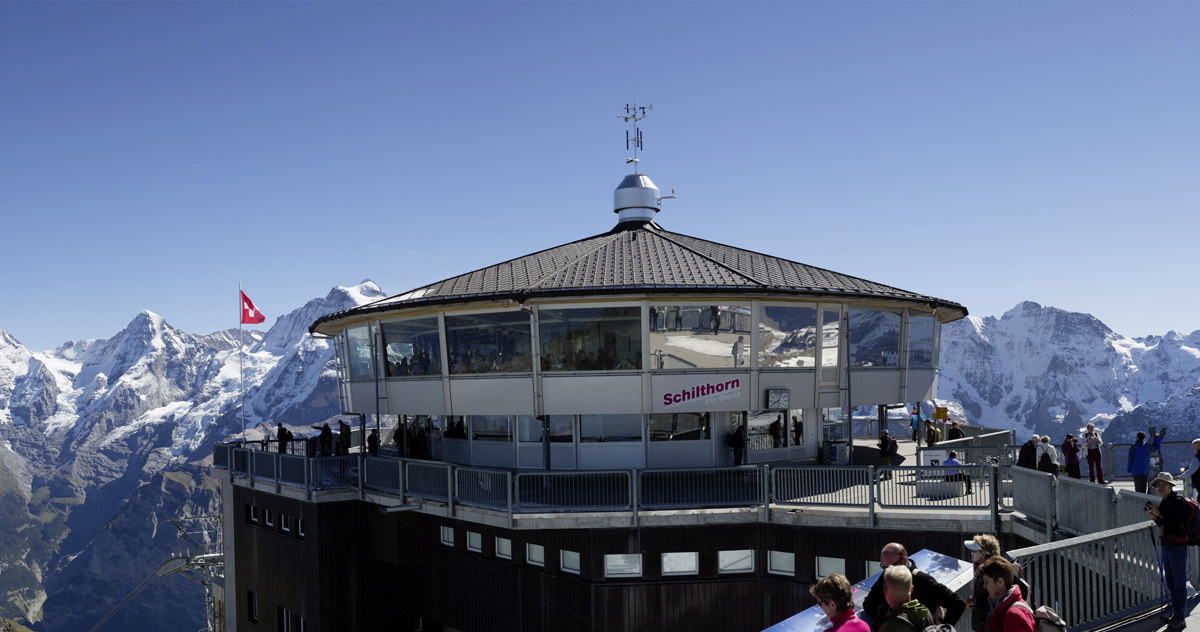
(833, 596)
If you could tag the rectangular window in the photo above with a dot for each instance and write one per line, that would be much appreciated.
(569, 561)
(474, 541)
(680, 427)
(623, 565)
(491, 427)
(739, 561)
(610, 428)
(300, 527)
(448, 536)
(829, 565)
(920, 341)
(681, 563)
(412, 347)
(562, 429)
(874, 338)
(285, 523)
(591, 339)
(504, 548)
(872, 567)
(358, 352)
(787, 337)
(270, 518)
(767, 429)
(831, 340)
(254, 514)
(251, 607)
(781, 563)
(535, 554)
(499, 342)
(699, 336)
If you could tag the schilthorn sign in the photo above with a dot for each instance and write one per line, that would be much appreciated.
(710, 392)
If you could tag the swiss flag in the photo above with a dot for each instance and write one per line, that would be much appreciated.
(251, 315)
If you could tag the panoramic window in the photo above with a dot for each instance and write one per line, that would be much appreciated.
(610, 428)
(491, 427)
(699, 336)
(781, 563)
(687, 563)
(456, 427)
(740, 561)
(767, 429)
(920, 341)
(529, 429)
(787, 337)
(497, 342)
(358, 353)
(623, 565)
(412, 347)
(679, 426)
(874, 338)
(591, 339)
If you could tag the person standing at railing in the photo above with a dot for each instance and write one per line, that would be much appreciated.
(325, 440)
(955, 432)
(983, 547)
(1139, 463)
(1156, 460)
(914, 420)
(1047, 457)
(1171, 515)
(1192, 474)
(1093, 443)
(1070, 451)
(931, 434)
(905, 614)
(373, 442)
(343, 438)
(1027, 457)
(283, 436)
(737, 443)
(888, 447)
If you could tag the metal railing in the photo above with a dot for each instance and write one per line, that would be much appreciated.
(574, 491)
(1082, 507)
(1094, 579)
(383, 474)
(1176, 456)
(702, 487)
(477, 487)
(825, 485)
(429, 480)
(934, 486)
(333, 472)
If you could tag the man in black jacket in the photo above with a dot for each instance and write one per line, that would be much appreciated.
(927, 590)
(1171, 515)
(1027, 457)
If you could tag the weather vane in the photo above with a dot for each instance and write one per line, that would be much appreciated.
(633, 114)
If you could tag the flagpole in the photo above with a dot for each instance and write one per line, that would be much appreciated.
(241, 355)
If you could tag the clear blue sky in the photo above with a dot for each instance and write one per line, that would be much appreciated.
(153, 155)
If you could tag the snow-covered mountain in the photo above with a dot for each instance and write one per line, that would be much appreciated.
(101, 441)
(91, 425)
(1051, 371)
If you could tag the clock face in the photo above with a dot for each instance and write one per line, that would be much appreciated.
(777, 399)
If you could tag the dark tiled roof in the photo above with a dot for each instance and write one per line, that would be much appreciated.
(641, 258)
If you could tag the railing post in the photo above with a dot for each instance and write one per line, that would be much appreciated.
(450, 489)
(993, 474)
(508, 477)
(308, 478)
(871, 483)
(635, 483)
(1052, 514)
(764, 490)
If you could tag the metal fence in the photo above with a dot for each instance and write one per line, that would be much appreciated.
(826, 485)
(429, 480)
(221, 456)
(293, 470)
(1094, 579)
(1033, 495)
(333, 472)
(1176, 456)
(491, 489)
(913, 487)
(386, 475)
(703, 487)
(574, 491)
(1082, 507)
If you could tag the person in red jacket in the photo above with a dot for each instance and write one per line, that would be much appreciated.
(1011, 614)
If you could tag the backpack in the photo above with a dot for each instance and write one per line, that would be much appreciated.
(937, 432)
(1193, 525)
(893, 447)
(1045, 461)
(1045, 619)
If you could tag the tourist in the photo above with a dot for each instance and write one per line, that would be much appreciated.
(955, 432)
(1070, 452)
(738, 443)
(1139, 463)
(887, 449)
(343, 438)
(905, 614)
(955, 474)
(925, 589)
(1011, 613)
(797, 430)
(1171, 515)
(281, 434)
(1156, 460)
(931, 434)
(737, 352)
(982, 547)
(1191, 475)
(714, 319)
(1027, 457)
(373, 442)
(1047, 457)
(835, 599)
(1093, 443)
(915, 421)
(776, 432)
(325, 440)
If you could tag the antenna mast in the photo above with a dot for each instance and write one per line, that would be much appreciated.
(633, 114)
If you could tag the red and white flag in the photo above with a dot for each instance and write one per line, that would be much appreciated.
(251, 315)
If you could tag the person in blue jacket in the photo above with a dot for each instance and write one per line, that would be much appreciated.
(1139, 463)
(915, 422)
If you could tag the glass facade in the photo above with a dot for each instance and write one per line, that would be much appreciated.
(787, 337)
(920, 341)
(699, 336)
(562, 429)
(591, 339)
(358, 353)
(767, 429)
(491, 427)
(412, 347)
(831, 337)
(874, 338)
(680, 426)
(498, 342)
(610, 428)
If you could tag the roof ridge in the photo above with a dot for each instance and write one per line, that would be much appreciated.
(603, 242)
(732, 269)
